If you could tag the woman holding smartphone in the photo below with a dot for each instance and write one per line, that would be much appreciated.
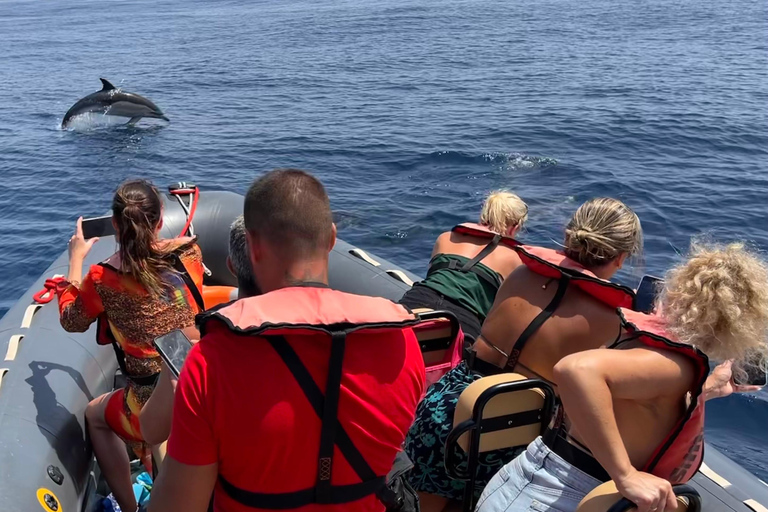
(136, 295)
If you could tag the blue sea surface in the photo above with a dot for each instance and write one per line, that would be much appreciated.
(410, 111)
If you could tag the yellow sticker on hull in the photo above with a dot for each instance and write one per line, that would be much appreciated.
(48, 500)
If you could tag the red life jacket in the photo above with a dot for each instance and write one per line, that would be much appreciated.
(330, 316)
(478, 231)
(556, 265)
(680, 455)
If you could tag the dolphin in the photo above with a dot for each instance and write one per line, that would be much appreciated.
(112, 101)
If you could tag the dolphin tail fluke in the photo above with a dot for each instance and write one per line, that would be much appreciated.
(107, 86)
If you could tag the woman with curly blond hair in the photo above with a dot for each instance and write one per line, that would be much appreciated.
(635, 414)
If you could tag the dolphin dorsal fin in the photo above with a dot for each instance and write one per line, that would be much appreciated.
(107, 86)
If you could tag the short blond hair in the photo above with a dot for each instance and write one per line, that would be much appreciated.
(601, 230)
(503, 211)
(717, 301)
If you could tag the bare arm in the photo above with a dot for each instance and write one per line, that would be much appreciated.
(439, 242)
(589, 382)
(155, 417)
(183, 487)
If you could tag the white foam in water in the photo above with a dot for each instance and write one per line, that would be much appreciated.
(94, 121)
(519, 161)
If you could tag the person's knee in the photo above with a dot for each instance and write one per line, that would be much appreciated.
(94, 412)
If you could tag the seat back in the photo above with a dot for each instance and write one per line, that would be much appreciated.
(501, 411)
(441, 340)
(509, 419)
(606, 498)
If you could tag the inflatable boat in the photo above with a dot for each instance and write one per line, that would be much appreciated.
(48, 376)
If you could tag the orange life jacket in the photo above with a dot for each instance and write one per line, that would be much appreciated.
(313, 309)
(680, 455)
(478, 231)
(216, 295)
(556, 265)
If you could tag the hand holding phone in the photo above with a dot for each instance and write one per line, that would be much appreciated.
(174, 348)
(647, 292)
(98, 227)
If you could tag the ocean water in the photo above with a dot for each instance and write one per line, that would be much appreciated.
(410, 112)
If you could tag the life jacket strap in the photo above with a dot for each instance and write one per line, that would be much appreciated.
(537, 322)
(179, 266)
(488, 249)
(332, 434)
(337, 494)
(471, 265)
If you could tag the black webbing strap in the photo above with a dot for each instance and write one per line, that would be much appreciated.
(292, 500)
(316, 399)
(471, 265)
(323, 492)
(537, 322)
(104, 331)
(330, 417)
(178, 265)
(488, 249)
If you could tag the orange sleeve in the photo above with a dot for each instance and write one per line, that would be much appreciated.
(79, 307)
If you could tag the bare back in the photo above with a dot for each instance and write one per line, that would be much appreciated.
(650, 394)
(503, 260)
(579, 323)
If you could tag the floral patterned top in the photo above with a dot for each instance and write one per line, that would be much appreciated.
(135, 317)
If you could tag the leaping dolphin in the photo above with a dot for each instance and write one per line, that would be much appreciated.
(112, 101)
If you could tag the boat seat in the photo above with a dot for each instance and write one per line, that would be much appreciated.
(215, 295)
(606, 498)
(441, 340)
(507, 410)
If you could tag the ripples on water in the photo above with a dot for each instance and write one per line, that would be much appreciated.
(409, 112)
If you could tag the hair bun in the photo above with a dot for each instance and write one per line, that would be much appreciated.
(601, 230)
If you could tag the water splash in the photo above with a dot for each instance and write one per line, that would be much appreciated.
(514, 161)
(92, 121)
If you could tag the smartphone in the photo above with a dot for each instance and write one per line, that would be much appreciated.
(647, 291)
(174, 348)
(98, 226)
(756, 376)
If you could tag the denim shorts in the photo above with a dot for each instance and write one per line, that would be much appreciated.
(537, 480)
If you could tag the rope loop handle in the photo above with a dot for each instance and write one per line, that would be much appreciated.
(48, 292)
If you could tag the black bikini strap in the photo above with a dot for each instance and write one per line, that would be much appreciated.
(488, 249)
(537, 322)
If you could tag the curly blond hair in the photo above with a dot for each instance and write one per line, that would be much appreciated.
(503, 211)
(717, 301)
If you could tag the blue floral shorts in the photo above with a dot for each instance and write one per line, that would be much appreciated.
(425, 443)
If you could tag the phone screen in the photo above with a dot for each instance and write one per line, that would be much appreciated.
(647, 291)
(174, 348)
(756, 376)
(98, 226)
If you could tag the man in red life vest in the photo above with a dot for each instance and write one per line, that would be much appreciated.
(300, 397)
